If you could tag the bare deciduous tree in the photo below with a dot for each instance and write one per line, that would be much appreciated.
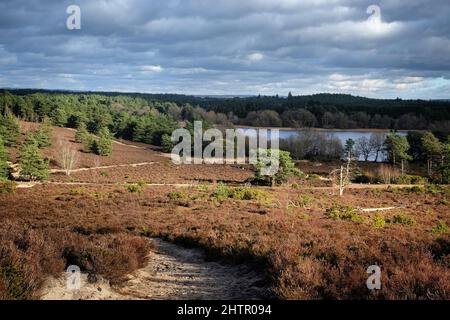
(376, 143)
(364, 147)
(67, 157)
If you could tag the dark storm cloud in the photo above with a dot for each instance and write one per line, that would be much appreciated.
(233, 46)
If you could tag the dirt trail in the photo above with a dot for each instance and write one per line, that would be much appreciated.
(24, 185)
(133, 165)
(128, 145)
(172, 272)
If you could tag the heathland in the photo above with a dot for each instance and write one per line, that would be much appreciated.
(92, 197)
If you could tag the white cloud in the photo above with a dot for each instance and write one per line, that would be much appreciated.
(151, 68)
(255, 57)
(188, 71)
(367, 84)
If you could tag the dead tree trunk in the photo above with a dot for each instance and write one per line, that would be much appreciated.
(341, 182)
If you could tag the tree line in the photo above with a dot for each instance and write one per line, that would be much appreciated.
(396, 149)
(321, 110)
(152, 118)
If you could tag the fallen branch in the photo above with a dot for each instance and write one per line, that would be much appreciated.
(378, 209)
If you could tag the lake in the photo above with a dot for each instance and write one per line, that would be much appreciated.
(343, 135)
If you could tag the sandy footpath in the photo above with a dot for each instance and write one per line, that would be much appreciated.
(172, 272)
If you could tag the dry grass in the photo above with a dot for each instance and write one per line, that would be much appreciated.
(160, 172)
(29, 255)
(289, 233)
(306, 254)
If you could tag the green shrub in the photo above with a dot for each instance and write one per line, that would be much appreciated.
(78, 190)
(176, 195)
(300, 202)
(201, 187)
(249, 194)
(378, 221)
(135, 187)
(223, 193)
(241, 194)
(304, 200)
(435, 189)
(403, 219)
(418, 180)
(286, 167)
(99, 195)
(430, 189)
(440, 228)
(346, 213)
(7, 186)
(199, 196)
(415, 189)
(410, 179)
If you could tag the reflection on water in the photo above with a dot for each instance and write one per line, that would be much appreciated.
(342, 135)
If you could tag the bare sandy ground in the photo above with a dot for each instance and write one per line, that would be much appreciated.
(30, 184)
(172, 272)
(133, 165)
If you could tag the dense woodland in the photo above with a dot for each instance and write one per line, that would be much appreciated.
(320, 110)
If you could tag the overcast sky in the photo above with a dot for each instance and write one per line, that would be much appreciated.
(229, 46)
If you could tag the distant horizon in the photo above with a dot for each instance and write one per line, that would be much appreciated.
(223, 96)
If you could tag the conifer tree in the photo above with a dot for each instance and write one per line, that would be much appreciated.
(43, 135)
(9, 129)
(445, 167)
(81, 133)
(4, 168)
(33, 165)
(166, 142)
(104, 143)
(433, 149)
(397, 149)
